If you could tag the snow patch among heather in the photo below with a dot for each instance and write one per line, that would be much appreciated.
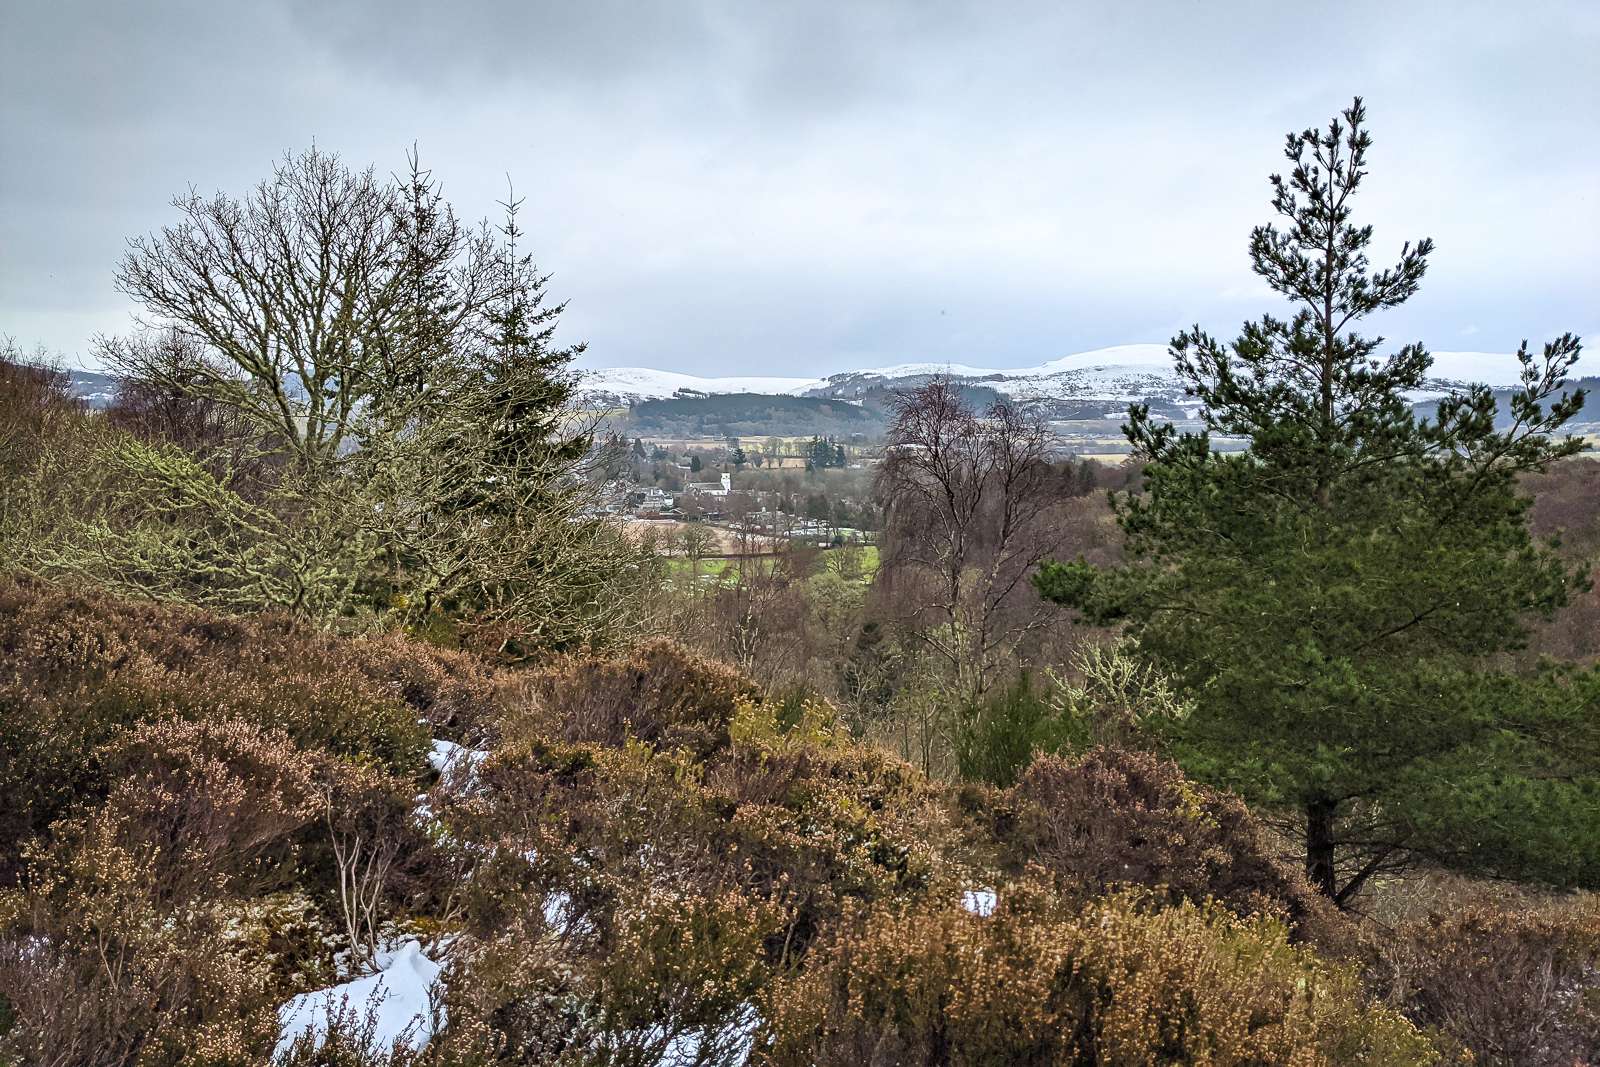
(446, 756)
(731, 1043)
(979, 901)
(395, 1002)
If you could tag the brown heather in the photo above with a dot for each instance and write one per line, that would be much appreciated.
(660, 694)
(1114, 819)
(655, 848)
(75, 669)
(1515, 985)
(1048, 981)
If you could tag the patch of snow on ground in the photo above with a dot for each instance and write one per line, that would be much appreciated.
(448, 754)
(979, 901)
(558, 911)
(396, 999)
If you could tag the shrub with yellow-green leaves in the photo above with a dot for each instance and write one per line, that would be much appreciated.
(1046, 980)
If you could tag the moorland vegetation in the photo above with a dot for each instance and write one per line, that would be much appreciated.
(314, 657)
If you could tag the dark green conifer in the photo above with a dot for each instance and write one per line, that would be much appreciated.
(1333, 598)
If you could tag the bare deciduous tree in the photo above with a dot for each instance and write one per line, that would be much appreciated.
(365, 827)
(697, 541)
(967, 499)
(322, 292)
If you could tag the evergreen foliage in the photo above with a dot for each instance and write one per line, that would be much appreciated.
(752, 414)
(347, 405)
(1330, 599)
(998, 733)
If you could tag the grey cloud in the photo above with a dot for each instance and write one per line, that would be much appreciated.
(716, 183)
(778, 55)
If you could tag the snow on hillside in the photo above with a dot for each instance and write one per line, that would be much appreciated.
(625, 385)
(1120, 373)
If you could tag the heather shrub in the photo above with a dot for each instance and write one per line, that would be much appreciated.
(143, 930)
(798, 826)
(655, 855)
(211, 804)
(1516, 987)
(1113, 818)
(660, 693)
(103, 970)
(680, 972)
(456, 695)
(1045, 981)
(76, 670)
(517, 995)
(684, 968)
(624, 896)
(124, 662)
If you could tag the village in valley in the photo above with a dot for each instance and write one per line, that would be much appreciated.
(714, 499)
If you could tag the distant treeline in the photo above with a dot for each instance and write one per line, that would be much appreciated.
(751, 415)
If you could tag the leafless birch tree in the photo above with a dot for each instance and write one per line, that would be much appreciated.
(968, 498)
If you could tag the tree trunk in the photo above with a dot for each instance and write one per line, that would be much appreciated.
(1319, 846)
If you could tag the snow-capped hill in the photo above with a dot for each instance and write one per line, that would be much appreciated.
(1117, 376)
(621, 386)
(1155, 356)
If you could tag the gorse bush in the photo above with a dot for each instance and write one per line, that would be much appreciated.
(999, 734)
(1107, 698)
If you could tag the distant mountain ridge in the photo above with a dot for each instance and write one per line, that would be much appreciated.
(1087, 385)
(1081, 382)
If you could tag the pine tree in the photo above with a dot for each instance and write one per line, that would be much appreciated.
(521, 386)
(1329, 598)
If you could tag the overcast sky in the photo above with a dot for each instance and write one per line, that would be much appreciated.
(801, 188)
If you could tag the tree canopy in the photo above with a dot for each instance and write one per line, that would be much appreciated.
(1332, 599)
(386, 434)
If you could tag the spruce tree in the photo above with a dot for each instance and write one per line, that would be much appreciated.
(1333, 599)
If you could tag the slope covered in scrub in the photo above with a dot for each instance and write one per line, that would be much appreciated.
(212, 817)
